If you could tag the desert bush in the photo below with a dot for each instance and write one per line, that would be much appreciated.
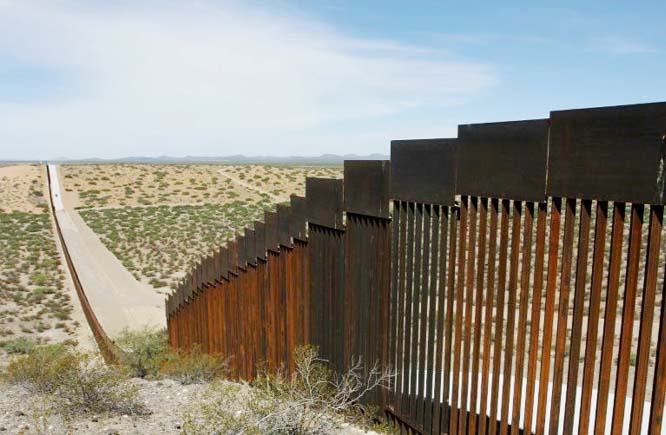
(313, 400)
(42, 369)
(147, 354)
(193, 366)
(21, 345)
(90, 387)
(144, 351)
(79, 383)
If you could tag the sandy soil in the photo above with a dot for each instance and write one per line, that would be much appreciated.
(22, 188)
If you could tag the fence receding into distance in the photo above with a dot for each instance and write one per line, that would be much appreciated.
(513, 277)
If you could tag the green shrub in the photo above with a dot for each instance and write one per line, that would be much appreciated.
(193, 366)
(42, 369)
(78, 383)
(147, 354)
(21, 345)
(314, 400)
(90, 387)
(144, 351)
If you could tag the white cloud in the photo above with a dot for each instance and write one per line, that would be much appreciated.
(204, 79)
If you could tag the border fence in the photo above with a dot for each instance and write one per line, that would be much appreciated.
(513, 277)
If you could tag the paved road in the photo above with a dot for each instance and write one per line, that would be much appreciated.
(117, 298)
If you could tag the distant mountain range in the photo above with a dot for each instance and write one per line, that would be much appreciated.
(324, 159)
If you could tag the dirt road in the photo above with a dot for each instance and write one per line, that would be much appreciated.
(248, 185)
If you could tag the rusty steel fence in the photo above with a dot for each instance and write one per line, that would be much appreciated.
(512, 277)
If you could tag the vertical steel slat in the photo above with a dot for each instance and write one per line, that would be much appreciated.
(628, 310)
(499, 315)
(432, 321)
(659, 386)
(351, 302)
(522, 316)
(423, 312)
(448, 334)
(647, 315)
(488, 315)
(368, 324)
(562, 313)
(338, 286)
(457, 345)
(393, 310)
(593, 315)
(539, 257)
(402, 276)
(414, 324)
(261, 308)
(511, 317)
(609, 317)
(384, 269)
(408, 311)
(290, 317)
(551, 282)
(254, 319)
(440, 353)
(469, 302)
(480, 269)
(356, 327)
(578, 306)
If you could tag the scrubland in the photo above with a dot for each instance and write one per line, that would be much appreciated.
(35, 302)
(159, 219)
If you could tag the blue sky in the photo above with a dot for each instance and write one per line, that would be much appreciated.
(101, 79)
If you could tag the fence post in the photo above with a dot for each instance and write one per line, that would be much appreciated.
(326, 261)
(367, 266)
(423, 181)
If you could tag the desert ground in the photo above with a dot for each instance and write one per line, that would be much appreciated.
(37, 301)
(159, 219)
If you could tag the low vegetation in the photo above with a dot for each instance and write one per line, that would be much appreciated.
(34, 302)
(313, 400)
(77, 383)
(35, 305)
(159, 244)
(74, 386)
(159, 219)
(119, 185)
(146, 354)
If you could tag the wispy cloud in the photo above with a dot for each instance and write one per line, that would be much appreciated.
(620, 45)
(205, 78)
